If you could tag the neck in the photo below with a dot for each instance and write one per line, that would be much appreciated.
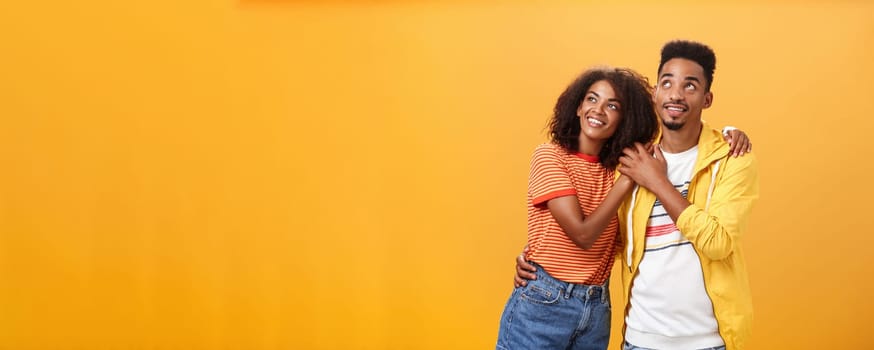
(676, 141)
(590, 147)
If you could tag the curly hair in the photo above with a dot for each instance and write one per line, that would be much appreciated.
(693, 51)
(639, 122)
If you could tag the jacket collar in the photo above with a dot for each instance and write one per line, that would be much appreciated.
(711, 146)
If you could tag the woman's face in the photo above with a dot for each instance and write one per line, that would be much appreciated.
(600, 112)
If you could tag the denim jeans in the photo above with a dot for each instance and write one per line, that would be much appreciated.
(551, 314)
(629, 346)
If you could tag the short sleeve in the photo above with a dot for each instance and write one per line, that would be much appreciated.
(549, 177)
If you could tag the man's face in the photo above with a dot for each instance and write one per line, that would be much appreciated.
(680, 94)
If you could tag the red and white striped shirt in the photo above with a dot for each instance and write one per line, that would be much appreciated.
(555, 172)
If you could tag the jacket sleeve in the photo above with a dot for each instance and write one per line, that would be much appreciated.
(716, 232)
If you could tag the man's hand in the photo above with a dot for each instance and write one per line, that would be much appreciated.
(647, 168)
(524, 270)
(738, 142)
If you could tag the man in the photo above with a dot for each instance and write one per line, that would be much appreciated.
(682, 266)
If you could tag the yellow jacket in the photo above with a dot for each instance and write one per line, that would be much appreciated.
(722, 192)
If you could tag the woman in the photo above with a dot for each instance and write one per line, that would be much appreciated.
(572, 204)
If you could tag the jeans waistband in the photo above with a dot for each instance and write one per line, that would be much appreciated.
(573, 290)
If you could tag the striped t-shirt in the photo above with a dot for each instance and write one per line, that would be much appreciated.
(556, 172)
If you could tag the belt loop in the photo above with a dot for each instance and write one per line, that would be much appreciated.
(605, 291)
(568, 290)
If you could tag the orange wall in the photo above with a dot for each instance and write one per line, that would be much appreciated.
(257, 175)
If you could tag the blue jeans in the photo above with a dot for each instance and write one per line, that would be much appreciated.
(629, 346)
(551, 314)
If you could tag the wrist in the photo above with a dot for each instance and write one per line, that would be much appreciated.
(624, 186)
(661, 186)
(623, 180)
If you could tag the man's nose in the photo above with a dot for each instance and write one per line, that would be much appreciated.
(675, 94)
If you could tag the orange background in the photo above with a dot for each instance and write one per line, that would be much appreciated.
(351, 175)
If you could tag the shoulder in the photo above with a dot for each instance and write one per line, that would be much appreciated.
(549, 150)
(549, 158)
(744, 163)
(548, 147)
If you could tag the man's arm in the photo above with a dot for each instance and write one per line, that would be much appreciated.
(715, 228)
(714, 232)
(524, 270)
(650, 170)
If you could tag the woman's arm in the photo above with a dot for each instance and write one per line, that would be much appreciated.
(584, 231)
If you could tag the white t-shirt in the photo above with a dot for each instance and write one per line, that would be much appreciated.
(670, 308)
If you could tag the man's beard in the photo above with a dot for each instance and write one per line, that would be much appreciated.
(673, 125)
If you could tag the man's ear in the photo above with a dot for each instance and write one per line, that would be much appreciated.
(708, 99)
